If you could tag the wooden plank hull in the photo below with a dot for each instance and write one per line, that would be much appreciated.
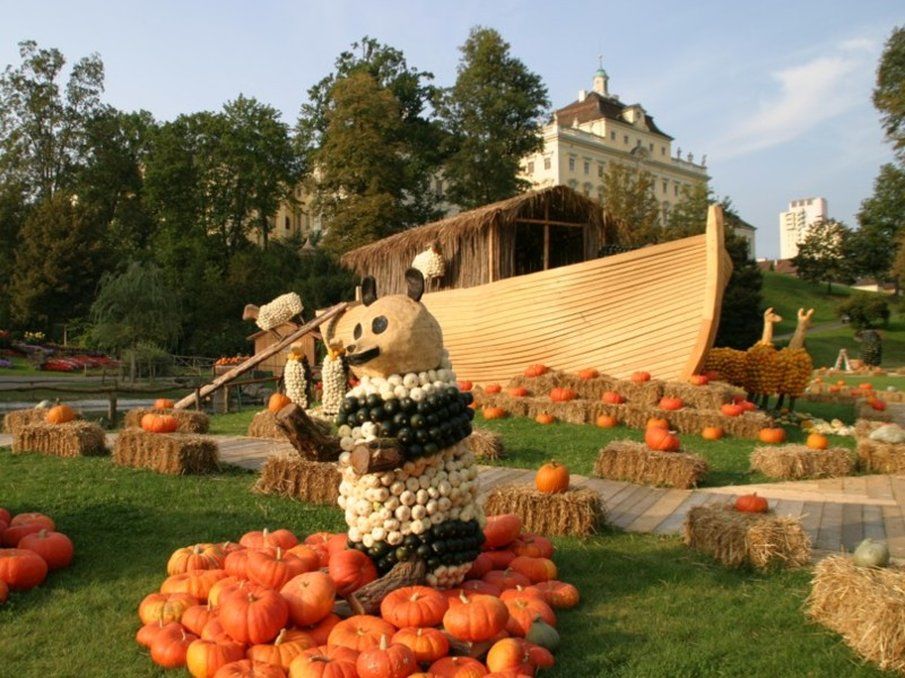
(653, 309)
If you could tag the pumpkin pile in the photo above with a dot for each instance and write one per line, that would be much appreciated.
(32, 549)
(264, 607)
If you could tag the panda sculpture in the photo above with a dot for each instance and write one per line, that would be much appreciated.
(427, 508)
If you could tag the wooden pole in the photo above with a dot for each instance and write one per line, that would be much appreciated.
(111, 410)
(258, 358)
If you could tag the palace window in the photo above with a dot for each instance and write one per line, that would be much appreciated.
(286, 222)
(587, 189)
(600, 169)
(587, 167)
(613, 136)
(625, 139)
(651, 147)
(571, 164)
(665, 186)
(546, 163)
(662, 150)
(531, 167)
(676, 189)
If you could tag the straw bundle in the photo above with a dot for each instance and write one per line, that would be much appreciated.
(575, 512)
(485, 444)
(72, 439)
(708, 397)
(634, 462)
(288, 475)
(643, 394)
(865, 605)
(864, 410)
(264, 425)
(794, 462)
(16, 419)
(540, 385)
(864, 427)
(875, 456)
(597, 408)
(687, 420)
(172, 453)
(189, 421)
(735, 539)
(572, 412)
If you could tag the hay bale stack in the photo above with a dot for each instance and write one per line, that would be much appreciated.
(688, 420)
(709, 397)
(264, 425)
(761, 540)
(485, 444)
(795, 462)
(170, 453)
(643, 394)
(864, 427)
(634, 462)
(542, 384)
(189, 421)
(590, 389)
(875, 456)
(575, 512)
(72, 439)
(572, 412)
(865, 605)
(16, 419)
(864, 410)
(288, 475)
(595, 409)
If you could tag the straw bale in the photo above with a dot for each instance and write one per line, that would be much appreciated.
(572, 412)
(189, 421)
(760, 540)
(575, 512)
(863, 410)
(708, 397)
(72, 439)
(875, 456)
(597, 408)
(485, 444)
(865, 605)
(864, 427)
(264, 425)
(288, 475)
(16, 419)
(636, 463)
(540, 385)
(644, 394)
(687, 420)
(171, 453)
(795, 462)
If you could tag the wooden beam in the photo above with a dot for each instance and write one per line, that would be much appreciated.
(551, 222)
(258, 358)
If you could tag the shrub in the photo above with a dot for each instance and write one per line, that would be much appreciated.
(864, 310)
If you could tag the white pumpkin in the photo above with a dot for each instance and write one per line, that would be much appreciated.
(871, 553)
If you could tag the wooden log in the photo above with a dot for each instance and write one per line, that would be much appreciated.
(258, 358)
(374, 456)
(367, 599)
(306, 436)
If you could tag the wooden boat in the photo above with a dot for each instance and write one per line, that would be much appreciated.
(654, 309)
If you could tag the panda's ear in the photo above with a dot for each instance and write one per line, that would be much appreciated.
(415, 283)
(368, 290)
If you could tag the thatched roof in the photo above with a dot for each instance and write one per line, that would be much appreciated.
(565, 205)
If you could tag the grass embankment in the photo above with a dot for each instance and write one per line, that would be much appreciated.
(649, 606)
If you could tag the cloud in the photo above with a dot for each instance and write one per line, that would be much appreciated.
(807, 95)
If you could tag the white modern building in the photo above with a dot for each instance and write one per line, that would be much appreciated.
(795, 222)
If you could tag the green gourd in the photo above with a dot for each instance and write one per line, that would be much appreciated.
(541, 633)
(871, 553)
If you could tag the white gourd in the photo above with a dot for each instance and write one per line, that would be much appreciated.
(294, 380)
(279, 311)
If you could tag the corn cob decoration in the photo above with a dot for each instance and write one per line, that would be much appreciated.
(294, 378)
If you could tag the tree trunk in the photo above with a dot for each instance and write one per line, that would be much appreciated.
(306, 436)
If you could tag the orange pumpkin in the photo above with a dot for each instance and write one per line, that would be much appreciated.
(536, 370)
(360, 632)
(274, 567)
(254, 617)
(493, 389)
(414, 606)
(163, 404)
(661, 440)
(350, 570)
(509, 656)
(612, 398)
(731, 410)
(518, 391)
(159, 423)
(746, 405)
(310, 597)
(196, 557)
(196, 617)
(277, 402)
(248, 668)
(523, 610)
(165, 608)
(59, 414)
(712, 432)
(562, 395)
(259, 539)
(545, 419)
(670, 404)
(532, 545)
(866, 386)
(283, 649)
(427, 644)
(771, 436)
(493, 412)
(169, 646)
(817, 441)
(751, 503)
(321, 631)
(501, 530)
(386, 661)
(558, 594)
(534, 568)
(197, 583)
(465, 385)
(320, 665)
(203, 658)
(640, 377)
(588, 374)
(877, 404)
(656, 422)
(475, 619)
(479, 567)
(699, 380)
(506, 579)
(457, 667)
(606, 421)
(552, 478)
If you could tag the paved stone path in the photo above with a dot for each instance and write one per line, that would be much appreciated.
(837, 513)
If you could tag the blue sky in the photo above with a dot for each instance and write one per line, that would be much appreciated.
(777, 94)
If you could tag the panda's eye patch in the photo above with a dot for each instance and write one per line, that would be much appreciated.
(379, 324)
(357, 331)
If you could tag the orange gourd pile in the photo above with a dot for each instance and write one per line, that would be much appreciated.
(264, 607)
(32, 548)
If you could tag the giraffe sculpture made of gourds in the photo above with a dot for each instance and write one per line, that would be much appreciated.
(795, 362)
(762, 366)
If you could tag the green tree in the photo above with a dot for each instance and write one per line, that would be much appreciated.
(132, 308)
(628, 198)
(881, 219)
(889, 93)
(59, 260)
(419, 135)
(689, 215)
(864, 310)
(12, 214)
(43, 129)
(741, 317)
(493, 115)
(360, 187)
(822, 254)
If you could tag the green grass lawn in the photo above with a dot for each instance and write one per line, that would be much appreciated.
(824, 345)
(787, 294)
(650, 607)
